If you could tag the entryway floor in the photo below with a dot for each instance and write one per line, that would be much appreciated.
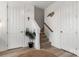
(27, 52)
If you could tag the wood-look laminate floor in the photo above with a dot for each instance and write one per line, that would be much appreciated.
(19, 51)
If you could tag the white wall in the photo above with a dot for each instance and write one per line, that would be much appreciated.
(13, 24)
(20, 13)
(3, 26)
(77, 32)
(53, 23)
(29, 12)
(64, 20)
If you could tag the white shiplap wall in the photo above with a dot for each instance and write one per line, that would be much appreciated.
(3, 26)
(13, 24)
(64, 20)
(18, 22)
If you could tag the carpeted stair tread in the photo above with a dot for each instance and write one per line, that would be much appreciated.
(43, 36)
(46, 45)
(42, 33)
(44, 41)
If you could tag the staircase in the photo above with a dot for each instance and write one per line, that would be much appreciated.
(44, 41)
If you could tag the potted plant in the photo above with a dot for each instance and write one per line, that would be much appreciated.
(31, 36)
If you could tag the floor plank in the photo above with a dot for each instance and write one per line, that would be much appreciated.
(19, 51)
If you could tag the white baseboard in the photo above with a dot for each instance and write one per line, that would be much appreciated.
(77, 52)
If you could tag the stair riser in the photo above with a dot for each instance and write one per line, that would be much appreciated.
(45, 46)
(43, 41)
(42, 33)
(43, 37)
(46, 43)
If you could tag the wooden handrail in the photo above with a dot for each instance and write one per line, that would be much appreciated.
(48, 27)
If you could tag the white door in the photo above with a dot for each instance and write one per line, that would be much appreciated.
(15, 27)
(3, 26)
(68, 26)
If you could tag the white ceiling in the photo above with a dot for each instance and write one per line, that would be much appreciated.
(40, 4)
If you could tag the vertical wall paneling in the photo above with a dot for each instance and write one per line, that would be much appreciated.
(28, 12)
(3, 26)
(64, 24)
(54, 37)
(13, 24)
(17, 24)
(77, 32)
